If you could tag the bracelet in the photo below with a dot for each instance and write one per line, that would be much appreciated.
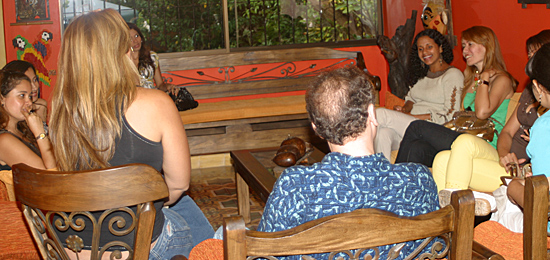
(41, 136)
(482, 82)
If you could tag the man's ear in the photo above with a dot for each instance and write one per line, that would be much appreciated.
(372, 116)
(315, 130)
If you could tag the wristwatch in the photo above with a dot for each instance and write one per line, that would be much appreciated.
(483, 82)
(41, 136)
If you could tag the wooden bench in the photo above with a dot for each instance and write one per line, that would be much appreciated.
(250, 99)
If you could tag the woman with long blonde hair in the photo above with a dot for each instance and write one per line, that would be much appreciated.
(488, 88)
(101, 119)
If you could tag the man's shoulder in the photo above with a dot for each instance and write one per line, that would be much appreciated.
(411, 168)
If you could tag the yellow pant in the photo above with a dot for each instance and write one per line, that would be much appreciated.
(471, 163)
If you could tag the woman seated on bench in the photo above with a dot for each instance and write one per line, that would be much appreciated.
(434, 84)
(101, 119)
(498, 237)
(485, 164)
(147, 62)
(488, 88)
(538, 70)
(22, 135)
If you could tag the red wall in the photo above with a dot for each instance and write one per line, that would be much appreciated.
(512, 25)
(45, 64)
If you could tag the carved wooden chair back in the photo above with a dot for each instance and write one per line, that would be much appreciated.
(535, 214)
(360, 229)
(59, 200)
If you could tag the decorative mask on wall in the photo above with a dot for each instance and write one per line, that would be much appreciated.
(435, 16)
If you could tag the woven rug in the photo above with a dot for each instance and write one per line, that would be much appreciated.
(215, 193)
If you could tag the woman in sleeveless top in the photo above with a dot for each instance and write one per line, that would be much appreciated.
(100, 118)
(485, 165)
(22, 135)
(147, 62)
(488, 88)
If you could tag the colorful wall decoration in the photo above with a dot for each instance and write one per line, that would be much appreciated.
(32, 10)
(33, 33)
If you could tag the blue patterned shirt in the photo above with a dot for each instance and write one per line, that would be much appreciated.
(342, 183)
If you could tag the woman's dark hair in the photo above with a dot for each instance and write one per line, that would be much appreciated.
(9, 79)
(19, 65)
(417, 68)
(536, 41)
(537, 67)
(144, 53)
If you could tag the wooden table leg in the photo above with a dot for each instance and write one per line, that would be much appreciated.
(243, 197)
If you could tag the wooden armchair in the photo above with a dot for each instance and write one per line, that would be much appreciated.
(363, 228)
(535, 214)
(48, 197)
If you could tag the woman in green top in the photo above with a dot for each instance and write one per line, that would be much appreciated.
(488, 88)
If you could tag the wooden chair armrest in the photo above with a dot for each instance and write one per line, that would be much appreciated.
(479, 251)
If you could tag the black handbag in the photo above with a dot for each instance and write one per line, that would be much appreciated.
(184, 100)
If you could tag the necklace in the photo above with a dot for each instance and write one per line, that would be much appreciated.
(433, 75)
(476, 80)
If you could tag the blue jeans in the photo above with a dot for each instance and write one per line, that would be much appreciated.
(423, 140)
(175, 238)
(198, 223)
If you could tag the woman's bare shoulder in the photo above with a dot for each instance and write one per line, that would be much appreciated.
(152, 99)
(8, 140)
(152, 103)
(503, 83)
(151, 113)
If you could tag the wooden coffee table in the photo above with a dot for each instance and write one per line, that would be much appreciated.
(254, 169)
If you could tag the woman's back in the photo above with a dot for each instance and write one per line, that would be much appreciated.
(154, 116)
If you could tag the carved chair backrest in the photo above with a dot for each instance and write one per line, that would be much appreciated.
(72, 196)
(272, 71)
(360, 229)
(535, 216)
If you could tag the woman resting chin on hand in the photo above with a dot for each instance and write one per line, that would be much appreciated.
(22, 135)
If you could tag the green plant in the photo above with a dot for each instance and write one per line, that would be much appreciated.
(187, 25)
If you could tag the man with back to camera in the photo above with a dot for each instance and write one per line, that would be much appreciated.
(340, 104)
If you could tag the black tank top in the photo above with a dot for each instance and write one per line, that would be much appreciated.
(131, 147)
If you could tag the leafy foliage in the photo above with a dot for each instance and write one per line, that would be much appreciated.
(187, 25)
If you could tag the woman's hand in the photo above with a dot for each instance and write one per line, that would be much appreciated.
(510, 158)
(33, 121)
(398, 108)
(171, 88)
(167, 87)
(407, 107)
(526, 136)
